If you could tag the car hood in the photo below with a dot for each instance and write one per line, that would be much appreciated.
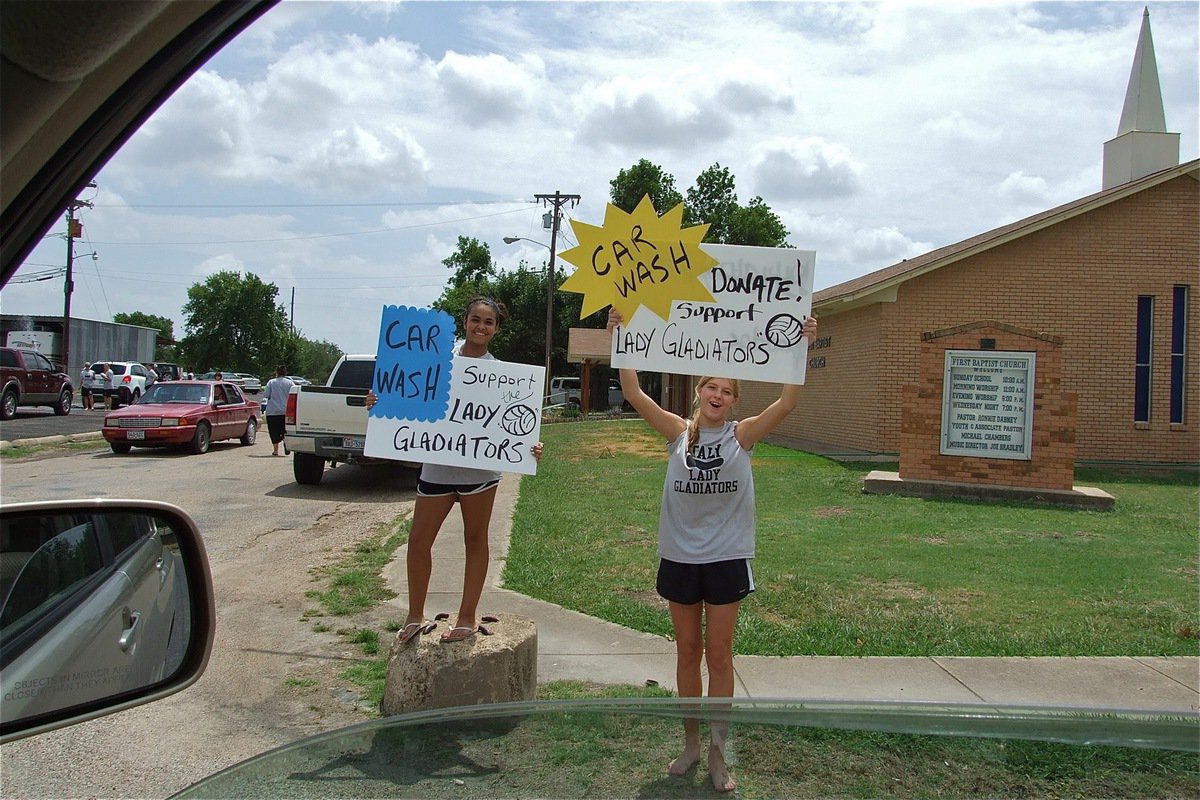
(483, 751)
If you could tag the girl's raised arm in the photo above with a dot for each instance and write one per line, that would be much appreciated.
(668, 424)
(752, 429)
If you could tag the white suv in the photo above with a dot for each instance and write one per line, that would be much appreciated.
(129, 380)
(563, 390)
(569, 390)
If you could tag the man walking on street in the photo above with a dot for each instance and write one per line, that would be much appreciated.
(276, 394)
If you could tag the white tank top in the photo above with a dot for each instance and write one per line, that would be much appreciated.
(708, 500)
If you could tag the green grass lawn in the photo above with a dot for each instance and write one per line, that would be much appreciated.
(839, 572)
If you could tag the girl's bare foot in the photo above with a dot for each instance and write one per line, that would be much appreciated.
(686, 760)
(722, 781)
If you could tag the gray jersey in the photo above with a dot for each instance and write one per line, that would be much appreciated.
(708, 500)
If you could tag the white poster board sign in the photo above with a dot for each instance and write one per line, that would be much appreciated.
(987, 404)
(440, 408)
(752, 331)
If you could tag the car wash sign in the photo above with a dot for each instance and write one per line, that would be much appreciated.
(440, 408)
(691, 308)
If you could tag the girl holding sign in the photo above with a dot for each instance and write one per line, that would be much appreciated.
(439, 487)
(706, 537)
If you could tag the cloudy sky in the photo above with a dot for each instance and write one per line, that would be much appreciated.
(339, 149)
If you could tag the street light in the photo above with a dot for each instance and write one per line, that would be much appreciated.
(549, 305)
(515, 239)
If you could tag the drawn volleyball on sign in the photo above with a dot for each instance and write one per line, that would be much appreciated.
(784, 330)
(518, 419)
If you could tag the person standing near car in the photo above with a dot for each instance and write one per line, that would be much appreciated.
(706, 533)
(105, 378)
(151, 376)
(87, 379)
(276, 394)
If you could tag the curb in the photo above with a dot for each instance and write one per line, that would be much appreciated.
(49, 440)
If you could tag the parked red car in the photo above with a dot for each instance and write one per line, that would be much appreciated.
(193, 413)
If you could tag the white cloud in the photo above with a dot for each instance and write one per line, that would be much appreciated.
(746, 88)
(844, 247)
(635, 113)
(960, 127)
(805, 168)
(355, 158)
(488, 88)
(1025, 190)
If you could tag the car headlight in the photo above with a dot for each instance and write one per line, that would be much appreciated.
(169, 422)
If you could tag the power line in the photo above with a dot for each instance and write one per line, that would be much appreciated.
(317, 235)
(437, 204)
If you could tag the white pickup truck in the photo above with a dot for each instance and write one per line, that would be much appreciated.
(328, 424)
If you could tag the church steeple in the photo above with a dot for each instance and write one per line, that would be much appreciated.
(1142, 145)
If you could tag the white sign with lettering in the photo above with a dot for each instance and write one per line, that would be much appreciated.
(440, 408)
(987, 404)
(752, 331)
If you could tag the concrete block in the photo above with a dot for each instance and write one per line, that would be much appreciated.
(425, 673)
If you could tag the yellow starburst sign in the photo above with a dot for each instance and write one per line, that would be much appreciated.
(638, 259)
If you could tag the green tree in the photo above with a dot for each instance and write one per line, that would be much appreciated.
(164, 343)
(312, 359)
(471, 262)
(644, 178)
(522, 339)
(757, 225)
(712, 200)
(232, 321)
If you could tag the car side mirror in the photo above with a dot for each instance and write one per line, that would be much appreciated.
(104, 605)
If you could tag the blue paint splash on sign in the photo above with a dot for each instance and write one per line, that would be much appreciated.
(412, 364)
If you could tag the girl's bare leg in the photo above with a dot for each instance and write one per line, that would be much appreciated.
(718, 652)
(689, 650)
(428, 515)
(477, 516)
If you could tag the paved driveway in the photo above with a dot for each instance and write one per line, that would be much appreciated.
(275, 675)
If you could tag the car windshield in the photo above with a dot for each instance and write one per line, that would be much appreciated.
(597, 748)
(176, 393)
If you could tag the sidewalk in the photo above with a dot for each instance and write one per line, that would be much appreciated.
(573, 646)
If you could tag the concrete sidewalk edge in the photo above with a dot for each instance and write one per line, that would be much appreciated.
(574, 646)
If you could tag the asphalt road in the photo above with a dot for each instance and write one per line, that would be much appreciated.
(29, 423)
(274, 675)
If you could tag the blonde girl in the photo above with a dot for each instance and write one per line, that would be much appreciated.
(706, 538)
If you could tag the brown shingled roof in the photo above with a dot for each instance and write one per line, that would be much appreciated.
(828, 300)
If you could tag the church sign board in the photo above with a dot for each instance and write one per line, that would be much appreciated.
(987, 404)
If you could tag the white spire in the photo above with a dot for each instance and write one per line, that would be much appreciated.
(1142, 145)
(1143, 99)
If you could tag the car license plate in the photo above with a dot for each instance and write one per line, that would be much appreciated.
(353, 443)
(135, 434)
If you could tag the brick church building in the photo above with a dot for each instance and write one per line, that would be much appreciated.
(1111, 276)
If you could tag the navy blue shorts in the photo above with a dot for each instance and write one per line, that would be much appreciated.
(717, 584)
(429, 489)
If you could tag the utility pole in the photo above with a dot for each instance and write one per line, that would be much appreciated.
(74, 231)
(558, 200)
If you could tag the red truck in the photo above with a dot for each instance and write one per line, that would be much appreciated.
(29, 379)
